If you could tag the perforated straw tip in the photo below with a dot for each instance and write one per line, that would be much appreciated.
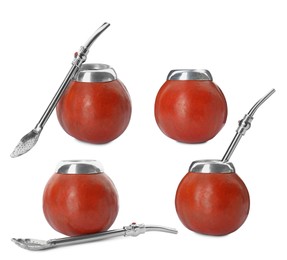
(26, 143)
(20, 149)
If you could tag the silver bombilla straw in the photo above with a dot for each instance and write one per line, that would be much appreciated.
(131, 230)
(244, 125)
(30, 139)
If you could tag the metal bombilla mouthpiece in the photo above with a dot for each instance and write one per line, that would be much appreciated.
(244, 125)
(96, 34)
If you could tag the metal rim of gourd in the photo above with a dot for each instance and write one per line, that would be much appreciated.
(189, 74)
(96, 72)
(211, 166)
(79, 167)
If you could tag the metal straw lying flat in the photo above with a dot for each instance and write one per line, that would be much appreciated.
(244, 125)
(131, 230)
(30, 139)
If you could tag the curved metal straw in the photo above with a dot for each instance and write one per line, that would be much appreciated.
(131, 230)
(244, 125)
(29, 140)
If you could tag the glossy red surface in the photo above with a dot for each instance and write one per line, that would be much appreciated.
(190, 111)
(76, 204)
(212, 203)
(95, 112)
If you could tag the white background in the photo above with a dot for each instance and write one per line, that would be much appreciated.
(242, 43)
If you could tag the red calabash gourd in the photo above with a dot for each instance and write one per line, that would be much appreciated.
(212, 199)
(190, 107)
(80, 199)
(96, 106)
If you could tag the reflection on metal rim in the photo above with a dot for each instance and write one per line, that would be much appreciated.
(189, 74)
(79, 167)
(96, 73)
(211, 166)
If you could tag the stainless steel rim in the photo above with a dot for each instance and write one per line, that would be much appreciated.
(79, 167)
(211, 166)
(96, 72)
(189, 74)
